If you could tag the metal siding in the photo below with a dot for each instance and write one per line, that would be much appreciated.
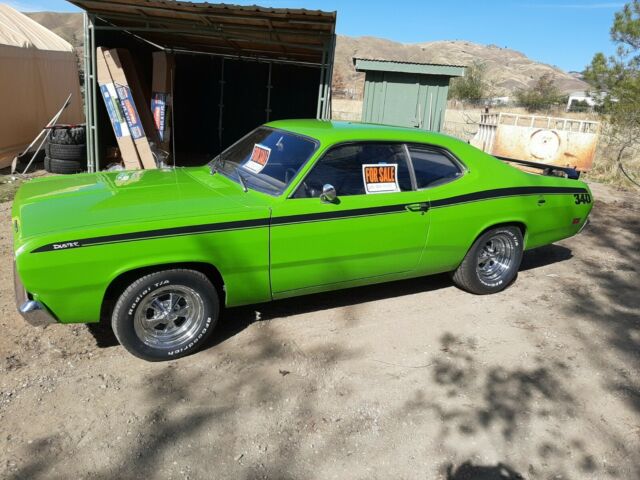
(378, 99)
(372, 97)
(365, 100)
(329, 78)
(89, 95)
(442, 104)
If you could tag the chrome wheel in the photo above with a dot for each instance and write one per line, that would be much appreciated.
(496, 257)
(169, 316)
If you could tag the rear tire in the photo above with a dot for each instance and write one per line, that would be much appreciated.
(166, 315)
(492, 262)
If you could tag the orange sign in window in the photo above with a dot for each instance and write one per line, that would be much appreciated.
(259, 158)
(380, 178)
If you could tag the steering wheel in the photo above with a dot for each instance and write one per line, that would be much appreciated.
(309, 192)
(288, 178)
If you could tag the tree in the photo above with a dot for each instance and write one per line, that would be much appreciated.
(473, 86)
(579, 106)
(617, 78)
(541, 95)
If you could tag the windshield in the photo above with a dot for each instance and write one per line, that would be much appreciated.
(266, 160)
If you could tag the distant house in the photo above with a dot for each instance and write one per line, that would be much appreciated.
(498, 101)
(588, 99)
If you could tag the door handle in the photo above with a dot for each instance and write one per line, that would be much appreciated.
(417, 207)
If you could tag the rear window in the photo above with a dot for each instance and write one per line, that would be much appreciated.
(433, 167)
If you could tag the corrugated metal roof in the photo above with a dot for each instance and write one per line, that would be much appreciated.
(406, 62)
(402, 66)
(291, 34)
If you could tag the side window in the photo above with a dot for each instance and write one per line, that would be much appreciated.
(342, 167)
(432, 167)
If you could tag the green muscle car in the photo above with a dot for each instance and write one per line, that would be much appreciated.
(294, 207)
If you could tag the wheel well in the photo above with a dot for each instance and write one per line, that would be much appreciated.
(122, 281)
(520, 225)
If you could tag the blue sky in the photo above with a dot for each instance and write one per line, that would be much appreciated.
(565, 33)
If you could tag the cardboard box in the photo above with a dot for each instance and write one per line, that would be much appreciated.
(131, 97)
(121, 129)
(161, 101)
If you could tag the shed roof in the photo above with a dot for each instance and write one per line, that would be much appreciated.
(369, 64)
(278, 33)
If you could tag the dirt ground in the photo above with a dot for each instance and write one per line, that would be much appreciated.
(409, 380)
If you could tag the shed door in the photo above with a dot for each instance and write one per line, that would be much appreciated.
(405, 100)
(401, 100)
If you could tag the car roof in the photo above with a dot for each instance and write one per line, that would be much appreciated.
(331, 131)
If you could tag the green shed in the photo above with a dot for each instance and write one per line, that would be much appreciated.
(406, 94)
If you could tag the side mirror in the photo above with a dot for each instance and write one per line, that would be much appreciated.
(328, 194)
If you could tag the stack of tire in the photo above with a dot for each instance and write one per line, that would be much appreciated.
(66, 149)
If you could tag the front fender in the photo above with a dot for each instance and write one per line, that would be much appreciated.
(72, 282)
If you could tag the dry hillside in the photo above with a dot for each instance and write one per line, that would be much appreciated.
(507, 69)
(66, 25)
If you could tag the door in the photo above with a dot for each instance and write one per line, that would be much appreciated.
(377, 225)
(401, 100)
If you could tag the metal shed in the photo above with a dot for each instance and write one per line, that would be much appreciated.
(236, 66)
(406, 94)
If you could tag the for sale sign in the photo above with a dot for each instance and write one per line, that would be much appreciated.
(259, 158)
(380, 177)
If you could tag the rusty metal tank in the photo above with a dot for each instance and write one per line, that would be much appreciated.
(563, 142)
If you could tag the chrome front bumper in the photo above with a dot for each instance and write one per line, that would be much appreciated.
(34, 313)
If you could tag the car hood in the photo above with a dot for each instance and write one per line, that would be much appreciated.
(65, 203)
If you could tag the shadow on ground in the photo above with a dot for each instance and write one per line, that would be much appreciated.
(468, 471)
(197, 406)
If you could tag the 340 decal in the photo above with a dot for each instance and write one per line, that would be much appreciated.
(582, 198)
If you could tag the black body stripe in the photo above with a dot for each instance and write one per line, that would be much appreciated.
(504, 192)
(302, 218)
(358, 212)
(160, 233)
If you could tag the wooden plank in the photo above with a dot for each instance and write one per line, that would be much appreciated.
(106, 83)
(136, 107)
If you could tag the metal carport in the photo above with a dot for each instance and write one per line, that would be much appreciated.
(275, 48)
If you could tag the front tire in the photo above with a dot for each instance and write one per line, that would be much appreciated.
(166, 315)
(492, 262)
